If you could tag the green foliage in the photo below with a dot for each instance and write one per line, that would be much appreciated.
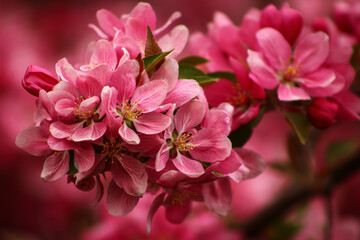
(226, 75)
(340, 150)
(189, 72)
(192, 61)
(72, 168)
(240, 136)
(300, 123)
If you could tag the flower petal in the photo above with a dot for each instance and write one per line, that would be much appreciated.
(89, 133)
(108, 21)
(33, 140)
(190, 167)
(128, 135)
(275, 47)
(84, 157)
(61, 130)
(217, 196)
(56, 166)
(261, 72)
(189, 115)
(311, 51)
(177, 213)
(129, 174)
(152, 123)
(150, 95)
(322, 77)
(153, 208)
(290, 93)
(175, 40)
(169, 72)
(162, 157)
(183, 92)
(118, 202)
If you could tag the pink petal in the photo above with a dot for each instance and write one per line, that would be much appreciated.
(145, 13)
(33, 140)
(61, 130)
(322, 77)
(124, 79)
(217, 196)
(183, 92)
(84, 157)
(175, 40)
(153, 209)
(311, 51)
(169, 72)
(66, 71)
(90, 86)
(65, 108)
(241, 117)
(289, 93)
(262, 73)
(89, 133)
(230, 164)
(128, 43)
(129, 174)
(56, 166)
(174, 16)
(98, 31)
(275, 47)
(189, 115)
(60, 144)
(89, 104)
(108, 21)
(37, 78)
(177, 213)
(99, 191)
(150, 95)
(104, 54)
(171, 178)
(190, 167)
(335, 87)
(252, 163)
(218, 119)
(48, 104)
(128, 135)
(210, 145)
(108, 103)
(118, 202)
(152, 123)
(271, 17)
(162, 157)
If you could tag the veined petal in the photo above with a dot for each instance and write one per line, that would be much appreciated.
(33, 140)
(150, 95)
(217, 196)
(177, 213)
(210, 145)
(262, 73)
(108, 21)
(176, 40)
(145, 13)
(118, 202)
(89, 133)
(61, 130)
(108, 102)
(189, 115)
(104, 54)
(56, 166)
(128, 135)
(183, 92)
(89, 104)
(189, 167)
(124, 79)
(153, 209)
(252, 164)
(169, 72)
(275, 47)
(65, 108)
(162, 157)
(152, 123)
(322, 77)
(66, 71)
(84, 157)
(130, 175)
(230, 164)
(289, 93)
(311, 51)
(60, 144)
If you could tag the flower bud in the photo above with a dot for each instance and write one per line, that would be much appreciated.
(37, 78)
(322, 112)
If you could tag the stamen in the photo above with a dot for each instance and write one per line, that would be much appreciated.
(183, 142)
(130, 111)
(111, 150)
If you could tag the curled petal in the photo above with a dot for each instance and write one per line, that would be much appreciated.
(150, 95)
(217, 196)
(128, 135)
(189, 115)
(162, 157)
(169, 72)
(56, 166)
(153, 208)
(33, 140)
(84, 157)
(89, 133)
(190, 167)
(176, 40)
(178, 212)
(290, 93)
(152, 123)
(119, 203)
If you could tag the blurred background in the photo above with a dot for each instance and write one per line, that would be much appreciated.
(40, 32)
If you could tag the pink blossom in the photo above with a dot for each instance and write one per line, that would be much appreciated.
(37, 78)
(296, 72)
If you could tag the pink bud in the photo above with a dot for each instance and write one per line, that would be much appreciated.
(322, 112)
(37, 78)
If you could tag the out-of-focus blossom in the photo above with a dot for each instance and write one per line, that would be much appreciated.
(322, 112)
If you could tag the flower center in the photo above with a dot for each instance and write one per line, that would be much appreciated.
(80, 114)
(110, 150)
(183, 142)
(131, 111)
(240, 97)
(289, 73)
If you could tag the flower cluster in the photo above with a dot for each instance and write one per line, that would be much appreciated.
(124, 121)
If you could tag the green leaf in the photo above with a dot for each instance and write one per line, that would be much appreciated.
(240, 136)
(72, 168)
(189, 72)
(340, 150)
(226, 75)
(300, 123)
(151, 63)
(192, 61)
(283, 230)
(205, 80)
(151, 46)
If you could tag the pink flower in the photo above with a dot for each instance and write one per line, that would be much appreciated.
(322, 112)
(295, 72)
(186, 146)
